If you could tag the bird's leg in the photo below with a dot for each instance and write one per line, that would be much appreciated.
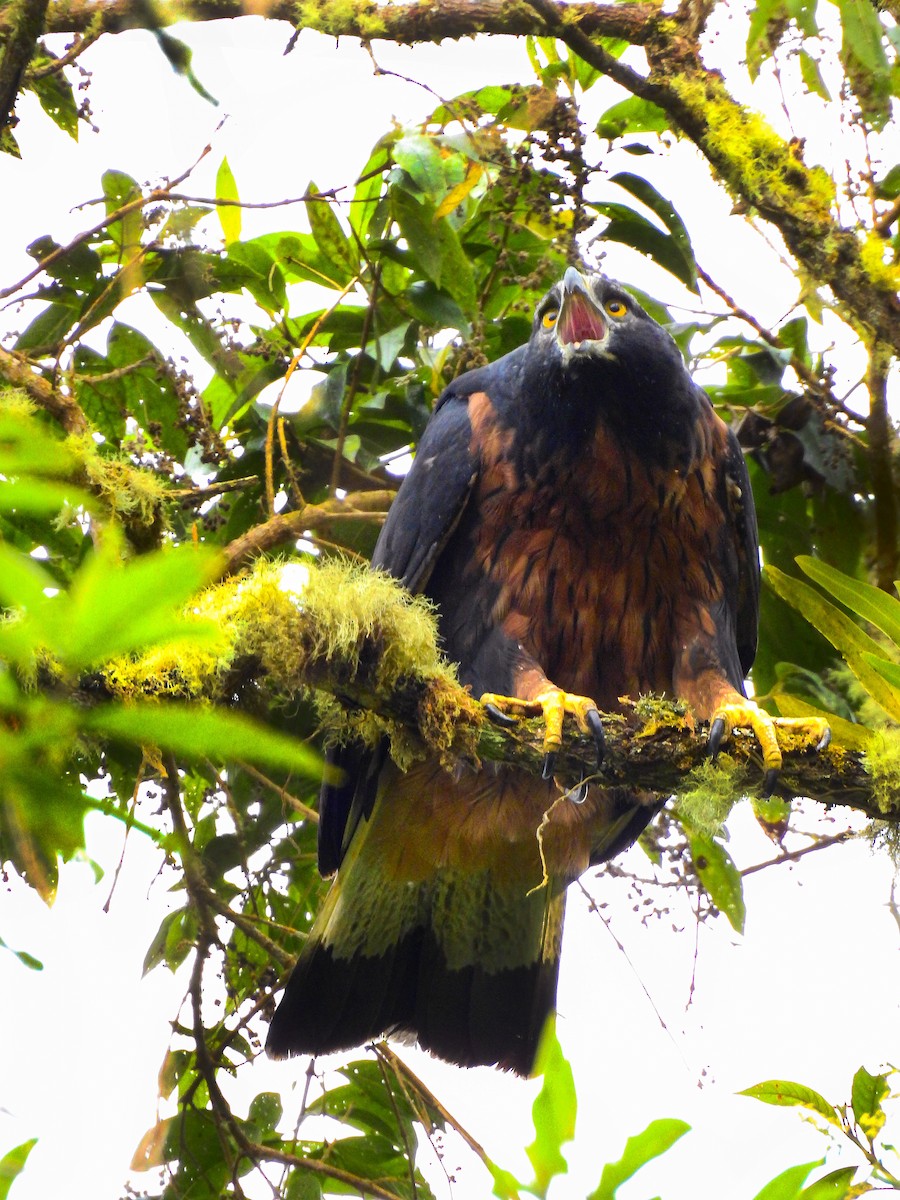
(733, 711)
(552, 703)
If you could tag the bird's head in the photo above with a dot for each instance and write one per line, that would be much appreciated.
(584, 318)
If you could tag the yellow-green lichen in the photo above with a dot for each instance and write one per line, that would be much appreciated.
(885, 275)
(755, 163)
(882, 761)
(283, 627)
(132, 495)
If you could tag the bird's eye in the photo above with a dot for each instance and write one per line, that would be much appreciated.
(615, 308)
(548, 320)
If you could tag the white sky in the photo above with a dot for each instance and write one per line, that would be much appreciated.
(809, 993)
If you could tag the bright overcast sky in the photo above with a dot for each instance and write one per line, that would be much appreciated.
(809, 993)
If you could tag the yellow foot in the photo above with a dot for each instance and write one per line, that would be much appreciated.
(745, 714)
(552, 704)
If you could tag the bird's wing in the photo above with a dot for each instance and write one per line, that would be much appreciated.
(423, 516)
(742, 581)
(433, 495)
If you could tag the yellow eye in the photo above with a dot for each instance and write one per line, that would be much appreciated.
(549, 318)
(615, 308)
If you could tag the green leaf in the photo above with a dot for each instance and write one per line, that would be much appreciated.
(201, 732)
(115, 608)
(812, 76)
(719, 876)
(644, 191)
(229, 214)
(865, 60)
(303, 1185)
(633, 229)
(553, 1111)
(12, 1164)
(789, 1184)
(56, 98)
(866, 1096)
(844, 635)
(436, 246)
(421, 159)
(331, 239)
(868, 602)
(632, 116)
(265, 1111)
(785, 1094)
(26, 959)
(763, 23)
(836, 1185)
(657, 1138)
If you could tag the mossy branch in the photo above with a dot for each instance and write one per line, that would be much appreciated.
(369, 651)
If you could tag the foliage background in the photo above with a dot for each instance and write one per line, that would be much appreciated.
(737, 270)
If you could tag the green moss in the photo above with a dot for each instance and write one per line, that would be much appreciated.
(882, 761)
(710, 792)
(340, 18)
(282, 626)
(755, 163)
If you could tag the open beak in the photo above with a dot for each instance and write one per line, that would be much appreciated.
(580, 321)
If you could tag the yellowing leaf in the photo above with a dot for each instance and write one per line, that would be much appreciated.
(788, 1095)
(229, 214)
(456, 195)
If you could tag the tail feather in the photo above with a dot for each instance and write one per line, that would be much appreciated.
(478, 999)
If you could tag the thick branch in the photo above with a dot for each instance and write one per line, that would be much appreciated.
(24, 23)
(281, 529)
(18, 372)
(406, 24)
(355, 635)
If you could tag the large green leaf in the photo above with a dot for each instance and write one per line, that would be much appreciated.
(633, 229)
(201, 732)
(554, 1111)
(866, 1098)
(789, 1184)
(868, 602)
(857, 647)
(785, 1094)
(656, 1139)
(12, 1164)
(719, 876)
(331, 239)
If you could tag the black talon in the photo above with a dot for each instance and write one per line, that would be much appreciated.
(493, 713)
(595, 725)
(579, 796)
(769, 782)
(716, 733)
(826, 739)
(549, 764)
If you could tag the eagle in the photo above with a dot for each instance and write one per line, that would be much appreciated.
(582, 521)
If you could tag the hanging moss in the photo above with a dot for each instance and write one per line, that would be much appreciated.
(711, 791)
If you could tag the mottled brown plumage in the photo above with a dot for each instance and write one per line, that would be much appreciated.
(583, 521)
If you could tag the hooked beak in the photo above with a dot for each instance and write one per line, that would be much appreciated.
(581, 324)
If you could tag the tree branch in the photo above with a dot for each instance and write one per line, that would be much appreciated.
(24, 22)
(334, 637)
(16, 370)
